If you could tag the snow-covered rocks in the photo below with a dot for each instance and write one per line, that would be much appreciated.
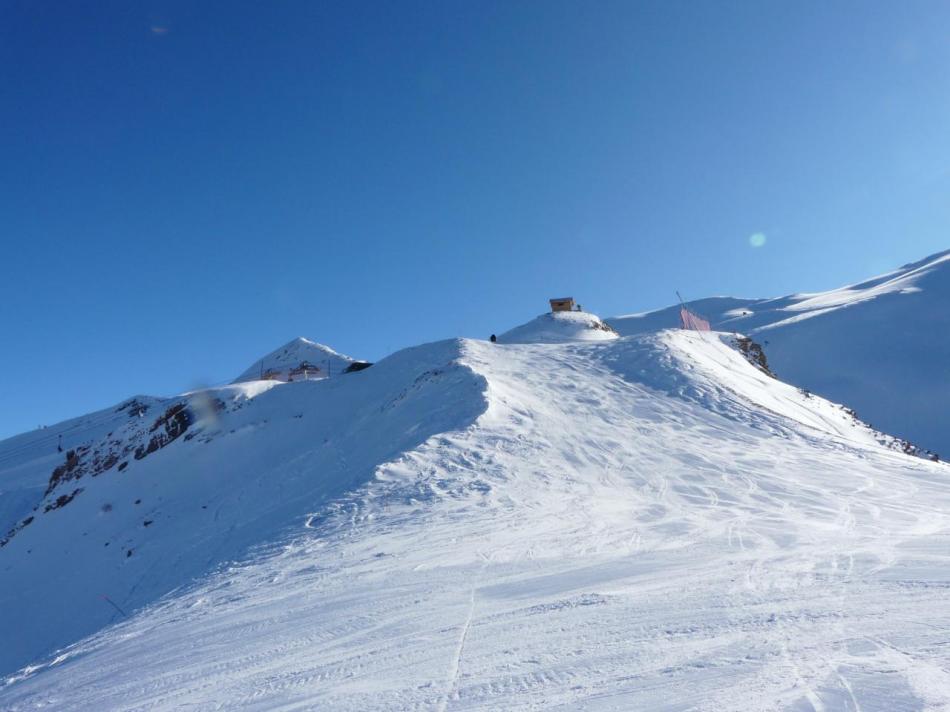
(300, 359)
(560, 327)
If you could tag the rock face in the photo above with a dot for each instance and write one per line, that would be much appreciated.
(134, 439)
(753, 353)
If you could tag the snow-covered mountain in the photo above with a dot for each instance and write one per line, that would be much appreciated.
(881, 346)
(565, 519)
(299, 359)
(157, 491)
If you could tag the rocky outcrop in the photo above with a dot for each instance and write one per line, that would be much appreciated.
(133, 440)
(753, 353)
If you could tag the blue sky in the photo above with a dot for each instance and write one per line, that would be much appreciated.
(185, 186)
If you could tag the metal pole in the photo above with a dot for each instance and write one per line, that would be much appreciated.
(112, 603)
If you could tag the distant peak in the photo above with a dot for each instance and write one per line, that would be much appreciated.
(301, 342)
(299, 358)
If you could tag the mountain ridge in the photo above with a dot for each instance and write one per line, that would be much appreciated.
(880, 345)
(642, 520)
(570, 516)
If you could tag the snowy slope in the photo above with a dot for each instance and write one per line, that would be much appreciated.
(165, 498)
(559, 327)
(882, 346)
(317, 360)
(637, 523)
(27, 460)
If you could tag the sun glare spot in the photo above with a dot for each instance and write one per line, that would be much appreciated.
(757, 239)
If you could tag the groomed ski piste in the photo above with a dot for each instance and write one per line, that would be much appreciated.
(562, 520)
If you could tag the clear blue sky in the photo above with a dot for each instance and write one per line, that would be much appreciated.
(187, 185)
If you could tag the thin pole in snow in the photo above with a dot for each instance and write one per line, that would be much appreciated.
(113, 604)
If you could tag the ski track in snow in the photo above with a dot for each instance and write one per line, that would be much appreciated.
(459, 652)
(643, 524)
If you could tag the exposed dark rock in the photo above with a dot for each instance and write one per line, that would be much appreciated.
(135, 408)
(754, 354)
(172, 424)
(82, 461)
(69, 469)
(62, 500)
(106, 463)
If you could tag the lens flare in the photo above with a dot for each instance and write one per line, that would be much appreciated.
(757, 239)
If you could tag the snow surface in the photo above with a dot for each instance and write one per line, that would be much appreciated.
(249, 466)
(559, 327)
(26, 460)
(319, 360)
(881, 346)
(639, 523)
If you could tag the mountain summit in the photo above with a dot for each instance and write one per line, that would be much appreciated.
(296, 360)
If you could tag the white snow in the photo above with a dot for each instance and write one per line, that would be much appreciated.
(317, 360)
(637, 523)
(881, 346)
(559, 327)
(26, 460)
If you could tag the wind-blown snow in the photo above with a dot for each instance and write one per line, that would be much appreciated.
(881, 346)
(637, 523)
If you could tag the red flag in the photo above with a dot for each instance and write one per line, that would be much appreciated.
(690, 321)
